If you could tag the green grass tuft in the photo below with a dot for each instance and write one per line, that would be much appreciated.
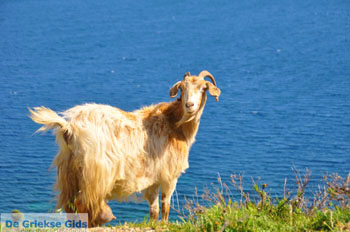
(327, 210)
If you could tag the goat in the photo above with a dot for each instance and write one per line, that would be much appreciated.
(106, 153)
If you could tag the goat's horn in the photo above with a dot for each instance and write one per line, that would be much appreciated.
(187, 74)
(205, 73)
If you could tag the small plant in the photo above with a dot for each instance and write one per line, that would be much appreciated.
(328, 209)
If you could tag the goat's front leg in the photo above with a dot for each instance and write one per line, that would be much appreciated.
(167, 192)
(152, 196)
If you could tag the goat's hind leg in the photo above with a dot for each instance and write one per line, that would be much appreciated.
(152, 196)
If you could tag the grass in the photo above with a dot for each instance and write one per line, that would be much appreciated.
(327, 209)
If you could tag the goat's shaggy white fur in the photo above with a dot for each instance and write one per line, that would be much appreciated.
(107, 153)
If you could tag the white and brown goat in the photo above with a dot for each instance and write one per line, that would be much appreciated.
(106, 153)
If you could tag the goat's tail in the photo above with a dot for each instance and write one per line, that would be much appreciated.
(83, 179)
(49, 118)
(67, 183)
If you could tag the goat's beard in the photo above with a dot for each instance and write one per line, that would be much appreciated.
(186, 118)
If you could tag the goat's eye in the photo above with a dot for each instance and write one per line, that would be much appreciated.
(202, 89)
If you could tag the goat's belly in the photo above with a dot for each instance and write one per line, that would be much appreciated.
(129, 188)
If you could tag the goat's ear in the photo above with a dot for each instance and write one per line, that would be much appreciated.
(213, 90)
(175, 89)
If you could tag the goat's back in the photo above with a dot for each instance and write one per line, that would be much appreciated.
(114, 148)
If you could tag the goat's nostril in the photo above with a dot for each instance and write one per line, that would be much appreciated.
(189, 104)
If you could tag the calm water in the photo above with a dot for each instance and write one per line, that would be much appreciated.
(283, 68)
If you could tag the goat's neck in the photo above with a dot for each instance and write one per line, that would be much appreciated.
(189, 130)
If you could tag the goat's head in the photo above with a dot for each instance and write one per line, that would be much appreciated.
(193, 92)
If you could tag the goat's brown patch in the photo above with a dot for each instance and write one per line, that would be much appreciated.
(173, 111)
(165, 208)
(129, 115)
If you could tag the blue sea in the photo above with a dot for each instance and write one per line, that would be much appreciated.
(283, 67)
